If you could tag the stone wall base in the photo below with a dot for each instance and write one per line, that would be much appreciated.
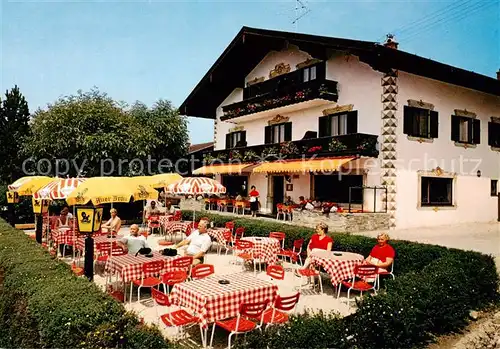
(343, 222)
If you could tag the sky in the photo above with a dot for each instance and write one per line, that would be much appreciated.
(150, 50)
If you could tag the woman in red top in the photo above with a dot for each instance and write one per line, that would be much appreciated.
(382, 254)
(320, 241)
(254, 200)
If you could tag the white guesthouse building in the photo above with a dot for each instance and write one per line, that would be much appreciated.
(303, 115)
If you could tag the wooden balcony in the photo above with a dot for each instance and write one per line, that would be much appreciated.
(356, 144)
(281, 96)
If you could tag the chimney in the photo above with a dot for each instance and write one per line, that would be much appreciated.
(498, 74)
(390, 42)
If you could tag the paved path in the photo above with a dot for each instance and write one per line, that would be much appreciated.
(481, 237)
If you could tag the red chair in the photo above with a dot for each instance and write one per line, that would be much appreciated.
(240, 231)
(276, 314)
(103, 251)
(309, 273)
(294, 253)
(279, 236)
(182, 263)
(150, 273)
(169, 279)
(276, 272)
(228, 241)
(153, 223)
(361, 280)
(202, 271)
(242, 323)
(244, 249)
(230, 226)
(178, 318)
(189, 229)
(177, 216)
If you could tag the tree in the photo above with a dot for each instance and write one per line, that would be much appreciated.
(90, 134)
(14, 129)
(162, 134)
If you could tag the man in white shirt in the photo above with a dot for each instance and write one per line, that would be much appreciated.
(198, 243)
(134, 242)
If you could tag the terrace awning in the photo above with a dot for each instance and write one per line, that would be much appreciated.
(222, 169)
(314, 165)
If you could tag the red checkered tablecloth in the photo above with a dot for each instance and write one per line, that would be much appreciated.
(174, 226)
(165, 219)
(80, 242)
(62, 236)
(218, 234)
(130, 267)
(213, 301)
(265, 249)
(338, 267)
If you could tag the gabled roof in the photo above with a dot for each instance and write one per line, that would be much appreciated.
(193, 148)
(250, 46)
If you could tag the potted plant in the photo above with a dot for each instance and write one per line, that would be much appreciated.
(288, 148)
(271, 152)
(336, 145)
(235, 155)
(250, 156)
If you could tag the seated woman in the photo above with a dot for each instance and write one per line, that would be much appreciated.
(317, 203)
(320, 241)
(382, 254)
(63, 221)
(114, 224)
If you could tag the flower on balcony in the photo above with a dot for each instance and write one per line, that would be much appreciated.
(336, 145)
(235, 155)
(250, 156)
(288, 148)
(208, 158)
(251, 107)
(300, 94)
(269, 152)
(323, 89)
(315, 149)
(368, 143)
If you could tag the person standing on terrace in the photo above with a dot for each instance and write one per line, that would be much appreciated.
(254, 200)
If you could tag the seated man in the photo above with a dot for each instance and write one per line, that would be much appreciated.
(134, 242)
(151, 210)
(289, 201)
(382, 254)
(199, 243)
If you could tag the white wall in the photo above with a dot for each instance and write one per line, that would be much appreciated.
(223, 127)
(472, 194)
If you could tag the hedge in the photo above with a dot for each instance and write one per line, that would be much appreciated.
(434, 290)
(43, 305)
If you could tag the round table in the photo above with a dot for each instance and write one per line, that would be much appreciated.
(265, 248)
(339, 265)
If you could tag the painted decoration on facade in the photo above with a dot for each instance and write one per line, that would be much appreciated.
(338, 109)
(279, 69)
(278, 119)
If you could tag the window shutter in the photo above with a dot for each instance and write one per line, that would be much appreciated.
(455, 128)
(493, 134)
(288, 131)
(267, 134)
(324, 128)
(243, 138)
(408, 120)
(228, 140)
(352, 122)
(476, 131)
(434, 124)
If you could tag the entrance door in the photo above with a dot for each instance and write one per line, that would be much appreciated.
(278, 191)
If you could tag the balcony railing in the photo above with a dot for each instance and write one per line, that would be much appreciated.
(355, 144)
(282, 96)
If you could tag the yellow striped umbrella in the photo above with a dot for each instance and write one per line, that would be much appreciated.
(27, 186)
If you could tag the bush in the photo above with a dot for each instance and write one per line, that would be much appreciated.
(43, 305)
(434, 290)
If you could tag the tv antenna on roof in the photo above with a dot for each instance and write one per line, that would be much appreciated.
(301, 10)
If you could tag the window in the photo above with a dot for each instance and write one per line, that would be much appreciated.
(309, 73)
(278, 133)
(338, 124)
(335, 188)
(436, 191)
(494, 187)
(235, 185)
(236, 139)
(422, 123)
(494, 134)
(465, 130)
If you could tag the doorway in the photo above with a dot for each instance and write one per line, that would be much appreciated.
(278, 191)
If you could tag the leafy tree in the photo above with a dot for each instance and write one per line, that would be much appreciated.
(90, 134)
(14, 129)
